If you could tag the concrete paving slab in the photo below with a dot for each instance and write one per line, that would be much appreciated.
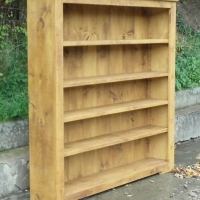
(187, 123)
(14, 171)
(13, 134)
(157, 187)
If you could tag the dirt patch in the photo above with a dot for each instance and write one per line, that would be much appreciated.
(190, 9)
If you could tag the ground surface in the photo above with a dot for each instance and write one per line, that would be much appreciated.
(190, 9)
(157, 187)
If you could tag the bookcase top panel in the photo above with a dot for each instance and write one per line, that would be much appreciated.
(131, 3)
(117, 1)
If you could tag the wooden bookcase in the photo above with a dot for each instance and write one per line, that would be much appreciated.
(101, 91)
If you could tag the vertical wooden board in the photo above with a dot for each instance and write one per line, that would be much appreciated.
(158, 146)
(141, 55)
(89, 31)
(171, 90)
(66, 100)
(73, 22)
(66, 170)
(89, 61)
(141, 23)
(75, 131)
(129, 59)
(66, 17)
(103, 22)
(129, 91)
(128, 23)
(73, 61)
(135, 58)
(75, 96)
(159, 88)
(159, 58)
(74, 167)
(140, 149)
(159, 116)
(45, 97)
(116, 21)
(103, 60)
(158, 23)
(116, 59)
(134, 119)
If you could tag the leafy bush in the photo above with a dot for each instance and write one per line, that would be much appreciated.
(187, 57)
(13, 73)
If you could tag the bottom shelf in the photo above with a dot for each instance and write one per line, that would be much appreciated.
(105, 180)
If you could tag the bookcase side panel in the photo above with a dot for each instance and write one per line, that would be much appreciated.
(45, 97)
(171, 90)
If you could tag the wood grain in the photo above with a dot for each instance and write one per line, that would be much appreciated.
(86, 186)
(111, 109)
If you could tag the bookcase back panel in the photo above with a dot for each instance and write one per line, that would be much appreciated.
(104, 159)
(159, 23)
(158, 88)
(105, 60)
(159, 57)
(87, 128)
(158, 116)
(158, 146)
(95, 22)
(105, 94)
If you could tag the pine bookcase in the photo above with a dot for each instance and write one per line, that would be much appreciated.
(101, 94)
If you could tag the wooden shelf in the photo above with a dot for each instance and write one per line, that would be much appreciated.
(111, 109)
(112, 78)
(114, 42)
(138, 3)
(98, 142)
(95, 183)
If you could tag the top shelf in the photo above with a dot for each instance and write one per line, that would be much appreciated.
(135, 3)
(114, 42)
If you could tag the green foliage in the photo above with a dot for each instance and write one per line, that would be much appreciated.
(183, 1)
(13, 73)
(187, 57)
(9, 1)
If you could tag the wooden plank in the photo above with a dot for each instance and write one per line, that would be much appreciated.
(114, 42)
(135, 3)
(171, 85)
(157, 19)
(111, 109)
(98, 142)
(158, 146)
(46, 99)
(80, 188)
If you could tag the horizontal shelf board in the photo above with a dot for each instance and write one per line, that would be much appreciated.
(112, 78)
(111, 109)
(114, 42)
(102, 141)
(101, 181)
(135, 3)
